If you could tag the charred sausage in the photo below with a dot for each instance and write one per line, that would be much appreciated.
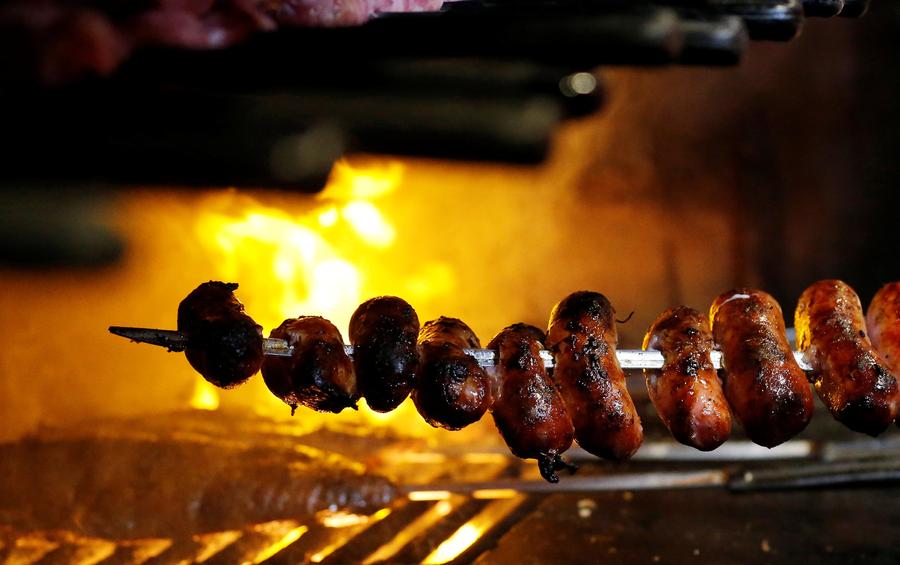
(226, 345)
(687, 392)
(452, 390)
(528, 410)
(318, 374)
(383, 332)
(582, 338)
(768, 391)
(883, 322)
(852, 380)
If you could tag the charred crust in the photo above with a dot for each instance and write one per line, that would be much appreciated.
(549, 463)
(383, 331)
(690, 366)
(226, 352)
(438, 394)
(522, 358)
(527, 331)
(445, 329)
(230, 287)
(866, 415)
(584, 303)
(318, 375)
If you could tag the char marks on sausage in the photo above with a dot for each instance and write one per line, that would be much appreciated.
(883, 323)
(852, 379)
(318, 374)
(528, 410)
(225, 344)
(582, 338)
(686, 391)
(768, 392)
(452, 390)
(383, 332)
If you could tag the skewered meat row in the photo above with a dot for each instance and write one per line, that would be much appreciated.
(686, 392)
(765, 387)
(851, 378)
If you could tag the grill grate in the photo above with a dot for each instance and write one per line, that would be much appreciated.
(454, 529)
(442, 527)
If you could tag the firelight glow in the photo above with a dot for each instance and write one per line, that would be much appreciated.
(205, 397)
(467, 534)
(318, 256)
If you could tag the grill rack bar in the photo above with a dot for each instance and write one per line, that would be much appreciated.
(628, 358)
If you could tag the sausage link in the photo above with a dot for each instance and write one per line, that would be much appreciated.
(452, 390)
(883, 323)
(383, 332)
(768, 392)
(528, 410)
(852, 380)
(687, 392)
(226, 345)
(318, 374)
(582, 338)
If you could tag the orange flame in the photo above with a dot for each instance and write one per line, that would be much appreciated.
(309, 263)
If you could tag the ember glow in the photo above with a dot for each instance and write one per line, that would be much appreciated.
(469, 533)
(307, 261)
(205, 397)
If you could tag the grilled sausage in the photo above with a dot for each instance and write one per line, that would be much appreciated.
(318, 374)
(852, 380)
(452, 390)
(226, 345)
(767, 390)
(582, 338)
(528, 410)
(883, 323)
(383, 332)
(686, 392)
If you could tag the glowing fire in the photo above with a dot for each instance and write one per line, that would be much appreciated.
(290, 263)
(205, 396)
(467, 534)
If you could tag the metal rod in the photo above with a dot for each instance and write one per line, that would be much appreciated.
(594, 483)
(628, 358)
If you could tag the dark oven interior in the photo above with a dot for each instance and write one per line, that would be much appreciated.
(481, 174)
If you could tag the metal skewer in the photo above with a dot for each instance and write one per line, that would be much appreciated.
(628, 358)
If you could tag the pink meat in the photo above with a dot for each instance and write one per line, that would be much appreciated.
(68, 39)
(388, 6)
